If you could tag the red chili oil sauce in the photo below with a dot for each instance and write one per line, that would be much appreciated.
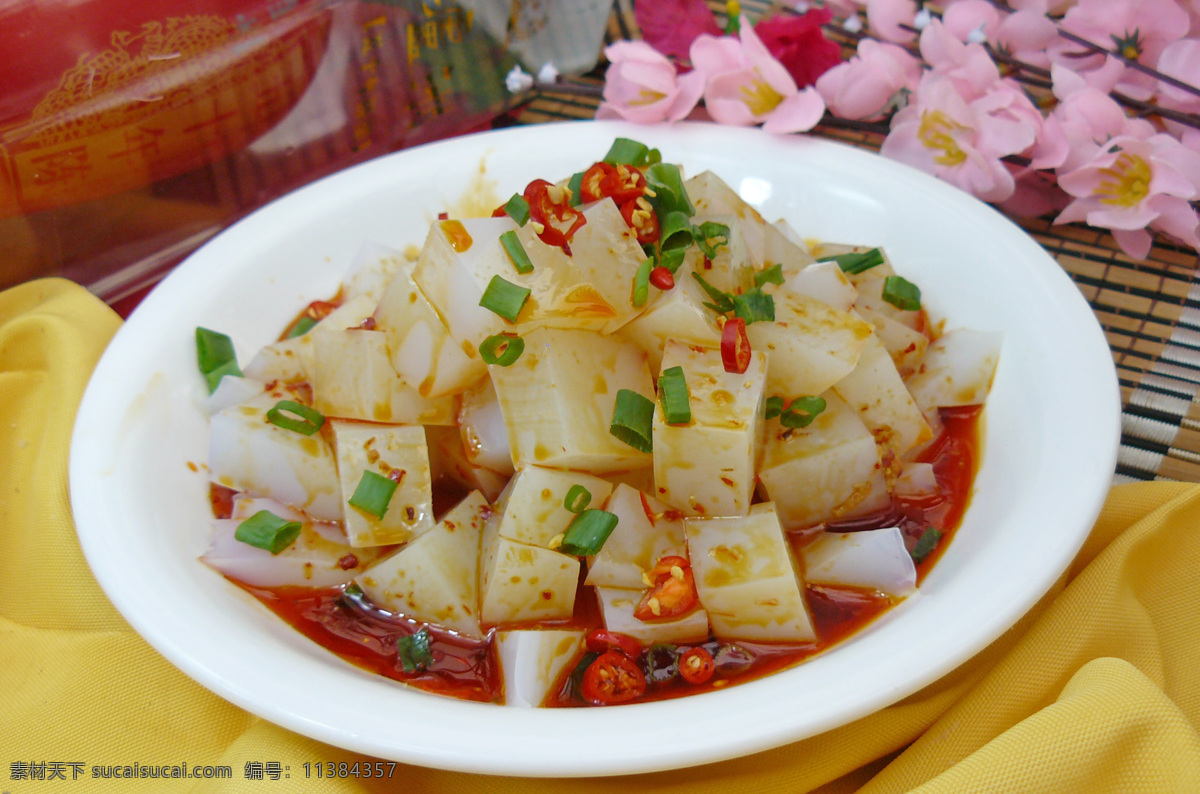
(465, 668)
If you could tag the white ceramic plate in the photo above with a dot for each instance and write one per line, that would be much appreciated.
(143, 516)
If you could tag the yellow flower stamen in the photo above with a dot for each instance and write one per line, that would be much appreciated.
(1129, 45)
(760, 97)
(647, 97)
(936, 133)
(1128, 181)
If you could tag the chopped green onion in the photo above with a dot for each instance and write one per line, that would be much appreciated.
(902, 293)
(575, 185)
(666, 182)
(857, 262)
(802, 411)
(265, 530)
(641, 283)
(673, 394)
(516, 252)
(633, 420)
(587, 532)
(925, 544)
(711, 230)
(353, 591)
(672, 258)
(722, 301)
(414, 651)
(298, 418)
(503, 350)
(577, 499)
(754, 306)
(302, 327)
(517, 208)
(373, 494)
(574, 685)
(675, 230)
(504, 298)
(216, 357)
(625, 151)
(774, 406)
(214, 378)
(770, 275)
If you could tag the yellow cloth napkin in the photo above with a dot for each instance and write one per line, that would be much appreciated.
(1097, 689)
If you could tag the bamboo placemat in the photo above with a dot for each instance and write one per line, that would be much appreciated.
(1149, 308)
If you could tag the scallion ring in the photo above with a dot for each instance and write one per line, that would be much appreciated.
(674, 397)
(265, 530)
(577, 498)
(633, 420)
(587, 532)
(517, 208)
(291, 415)
(503, 350)
(373, 494)
(504, 298)
(516, 252)
(902, 293)
(774, 407)
(215, 357)
(802, 412)
(641, 283)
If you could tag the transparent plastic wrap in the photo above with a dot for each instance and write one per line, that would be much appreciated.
(130, 133)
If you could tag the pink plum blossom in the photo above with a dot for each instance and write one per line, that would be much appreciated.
(976, 77)
(864, 86)
(841, 9)
(1181, 61)
(960, 141)
(1084, 118)
(969, 66)
(1023, 35)
(966, 17)
(670, 26)
(887, 19)
(745, 85)
(641, 86)
(1138, 29)
(1133, 184)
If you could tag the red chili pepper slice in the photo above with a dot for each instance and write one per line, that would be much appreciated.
(672, 594)
(612, 678)
(642, 218)
(696, 665)
(591, 188)
(625, 183)
(602, 640)
(319, 310)
(550, 208)
(735, 346)
(662, 278)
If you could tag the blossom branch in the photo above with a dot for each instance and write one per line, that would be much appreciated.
(1096, 49)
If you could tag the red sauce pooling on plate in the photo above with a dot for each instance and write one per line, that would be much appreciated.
(366, 636)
